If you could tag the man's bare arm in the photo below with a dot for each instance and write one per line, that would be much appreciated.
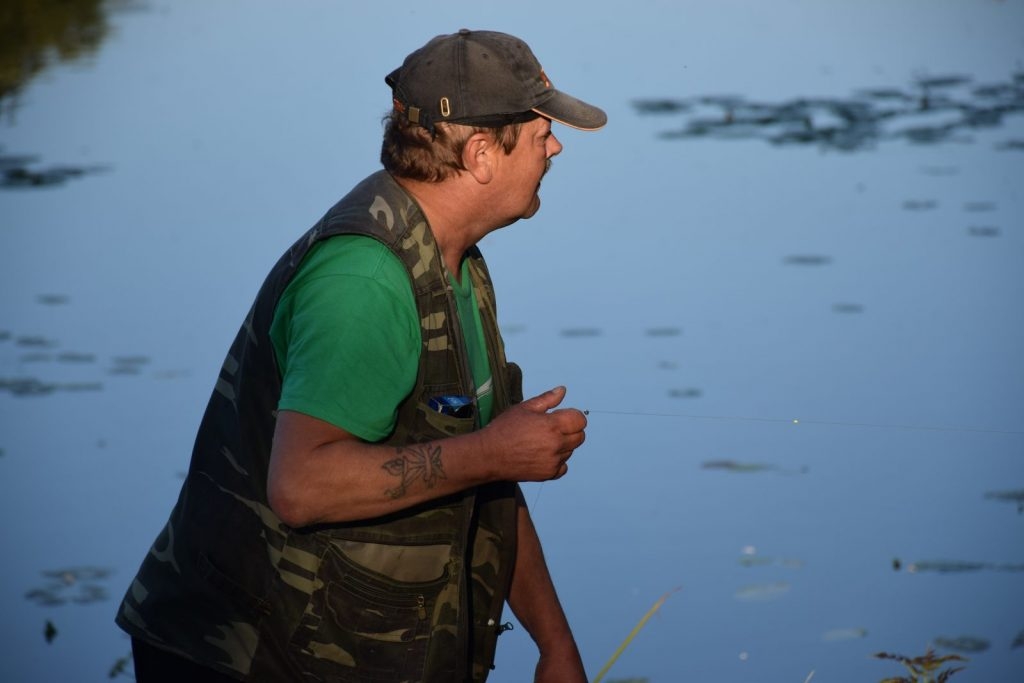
(533, 600)
(320, 473)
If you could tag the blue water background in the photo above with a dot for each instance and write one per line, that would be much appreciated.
(654, 282)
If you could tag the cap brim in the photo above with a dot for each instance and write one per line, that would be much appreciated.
(569, 111)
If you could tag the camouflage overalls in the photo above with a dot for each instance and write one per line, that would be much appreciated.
(414, 596)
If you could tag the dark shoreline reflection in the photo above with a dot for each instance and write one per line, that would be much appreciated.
(933, 110)
(35, 34)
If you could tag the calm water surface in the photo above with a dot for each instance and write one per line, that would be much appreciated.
(785, 281)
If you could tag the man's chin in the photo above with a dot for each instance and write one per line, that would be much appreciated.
(534, 207)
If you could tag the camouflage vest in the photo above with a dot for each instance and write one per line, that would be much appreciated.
(414, 596)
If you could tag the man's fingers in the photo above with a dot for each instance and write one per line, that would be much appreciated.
(546, 401)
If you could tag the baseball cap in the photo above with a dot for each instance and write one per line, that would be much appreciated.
(482, 78)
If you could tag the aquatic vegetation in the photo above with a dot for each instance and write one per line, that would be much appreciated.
(122, 666)
(73, 584)
(955, 566)
(920, 204)
(31, 386)
(749, 467)
(762, 592)
(923, 669)
(979, 207)
(963, 644)
(49, 631)
(125, 370)
(736, 466)
(1018, 641)
(847, 308)
(807, 260)
(76, 357)
(687, 392)
(837, 635)
(35, 341)
(664, 332)
(1015, 496)
(932, 110)
(983, 231)
(941, 171)
(20, 178)
(754, 560)
(26, 386)
(581, 332)
(632, 634)
(131, 360)
(53, 299)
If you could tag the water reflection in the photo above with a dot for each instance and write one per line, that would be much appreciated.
(36, 33)
(932, 110)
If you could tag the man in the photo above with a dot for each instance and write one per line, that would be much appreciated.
(351, 511)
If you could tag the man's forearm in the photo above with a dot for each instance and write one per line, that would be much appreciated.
(535, 603)
(319, 473)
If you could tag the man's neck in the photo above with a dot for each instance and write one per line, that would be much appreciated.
(450, 211)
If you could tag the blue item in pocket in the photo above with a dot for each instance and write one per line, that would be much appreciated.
(456, 406)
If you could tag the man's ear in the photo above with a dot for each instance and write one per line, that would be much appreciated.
(478, 157)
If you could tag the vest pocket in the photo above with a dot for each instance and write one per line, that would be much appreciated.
(446, 425)
(362, 626)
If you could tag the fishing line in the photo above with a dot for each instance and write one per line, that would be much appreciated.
(800, 421)
(797, 422)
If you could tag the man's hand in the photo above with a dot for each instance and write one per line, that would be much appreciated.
(533, 442)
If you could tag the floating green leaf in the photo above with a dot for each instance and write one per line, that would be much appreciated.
(923, 669)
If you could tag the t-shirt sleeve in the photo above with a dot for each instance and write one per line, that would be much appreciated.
(347, 337)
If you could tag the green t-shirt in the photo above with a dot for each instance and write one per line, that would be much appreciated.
(347, 337)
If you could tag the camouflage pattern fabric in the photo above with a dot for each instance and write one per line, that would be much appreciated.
(413, 596)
